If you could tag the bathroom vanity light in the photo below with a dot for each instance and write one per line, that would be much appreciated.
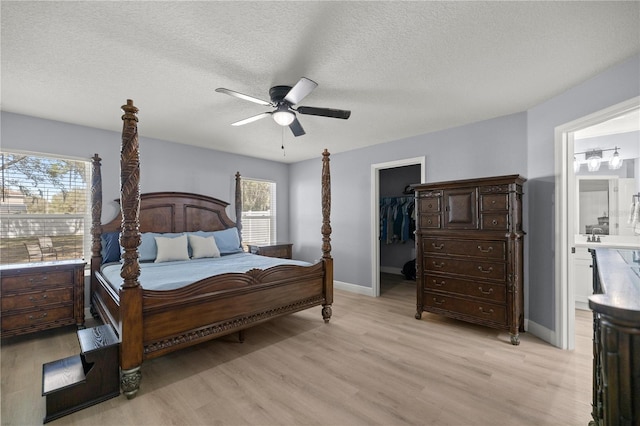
(616, 162)
(594, 159)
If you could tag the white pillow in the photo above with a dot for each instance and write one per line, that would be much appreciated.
(203, 246)
(170, 249)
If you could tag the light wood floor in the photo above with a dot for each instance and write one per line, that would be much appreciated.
(373, 364)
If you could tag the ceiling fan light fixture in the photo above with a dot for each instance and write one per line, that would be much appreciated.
(283, 116)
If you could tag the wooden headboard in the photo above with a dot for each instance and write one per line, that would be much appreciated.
(178, 212)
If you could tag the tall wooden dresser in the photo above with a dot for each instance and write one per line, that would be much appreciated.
(469, 247)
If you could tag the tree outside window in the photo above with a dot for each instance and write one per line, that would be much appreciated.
(44, 205)
(258, 211)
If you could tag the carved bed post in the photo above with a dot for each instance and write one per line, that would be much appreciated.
(239, 206)
(131, 346)
(326, 236)
(96, 223)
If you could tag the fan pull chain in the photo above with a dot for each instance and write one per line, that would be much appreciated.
(284, 153)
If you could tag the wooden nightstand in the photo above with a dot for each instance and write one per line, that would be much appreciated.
(40, 296)
(283, 250)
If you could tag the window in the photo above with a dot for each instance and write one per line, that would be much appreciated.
(258, 211)
(45, 209)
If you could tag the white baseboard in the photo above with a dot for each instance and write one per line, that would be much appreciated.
(582, 305)
(353, 288)
(540, 331)
(391, 270)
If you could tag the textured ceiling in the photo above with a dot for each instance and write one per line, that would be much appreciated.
(402, 68)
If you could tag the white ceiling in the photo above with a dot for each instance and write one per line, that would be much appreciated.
(402, 68)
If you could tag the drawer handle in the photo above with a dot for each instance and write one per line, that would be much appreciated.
(44, 296)
(438, 284)
(438, 302)
(488, 250)
(31, 317)
(494, 222)
(438, 265)
(482, 311)
(429, 221)
(485, 292)
(493, 201)
(440, 247)
(485, 271)
(42, 278)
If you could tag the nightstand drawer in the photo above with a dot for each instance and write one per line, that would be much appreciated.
(36, 298)
(29, 281)
(58, 316)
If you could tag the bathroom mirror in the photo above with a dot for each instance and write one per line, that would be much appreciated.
(607, 170)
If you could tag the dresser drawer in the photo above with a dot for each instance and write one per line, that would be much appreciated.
(483, 290)
(485, 249)
(495, 222)
(55, 316)
(491, 202)
(429, 221)
(468, 268)
(481, 310)
(36, 280)
(430, 204)
(36, 298)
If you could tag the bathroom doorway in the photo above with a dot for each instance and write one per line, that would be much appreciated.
(575, 142)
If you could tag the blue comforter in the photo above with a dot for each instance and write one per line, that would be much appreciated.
(172, 275)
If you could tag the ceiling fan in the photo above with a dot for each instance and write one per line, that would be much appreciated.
(283, 99)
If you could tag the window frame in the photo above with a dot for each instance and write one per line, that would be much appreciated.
(48, 221)
(272, 216)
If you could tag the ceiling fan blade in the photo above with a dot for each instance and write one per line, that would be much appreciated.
(251, 119)
(303, 87)
(324, 112)
(242, 96)
(296, 127)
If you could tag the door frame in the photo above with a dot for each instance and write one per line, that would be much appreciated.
(375, 212)
(564, 333)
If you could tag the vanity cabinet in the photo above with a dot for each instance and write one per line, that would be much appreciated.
(616, 337)
(469, 244)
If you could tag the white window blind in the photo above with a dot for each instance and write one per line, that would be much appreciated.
(45, 211)
(258, 211)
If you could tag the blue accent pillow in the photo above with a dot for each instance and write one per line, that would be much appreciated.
(110, 247)
(148, 250)
(228, 241)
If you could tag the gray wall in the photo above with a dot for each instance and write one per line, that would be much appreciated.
(164, 166)
(617, 84)
(520, 143)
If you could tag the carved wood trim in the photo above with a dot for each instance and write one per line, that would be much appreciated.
(130, 196)
(326, 206)
(229, 326)
(239, 206)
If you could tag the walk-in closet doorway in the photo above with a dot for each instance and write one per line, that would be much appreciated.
(390, 248)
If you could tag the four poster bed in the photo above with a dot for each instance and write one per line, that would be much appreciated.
(154, 322)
